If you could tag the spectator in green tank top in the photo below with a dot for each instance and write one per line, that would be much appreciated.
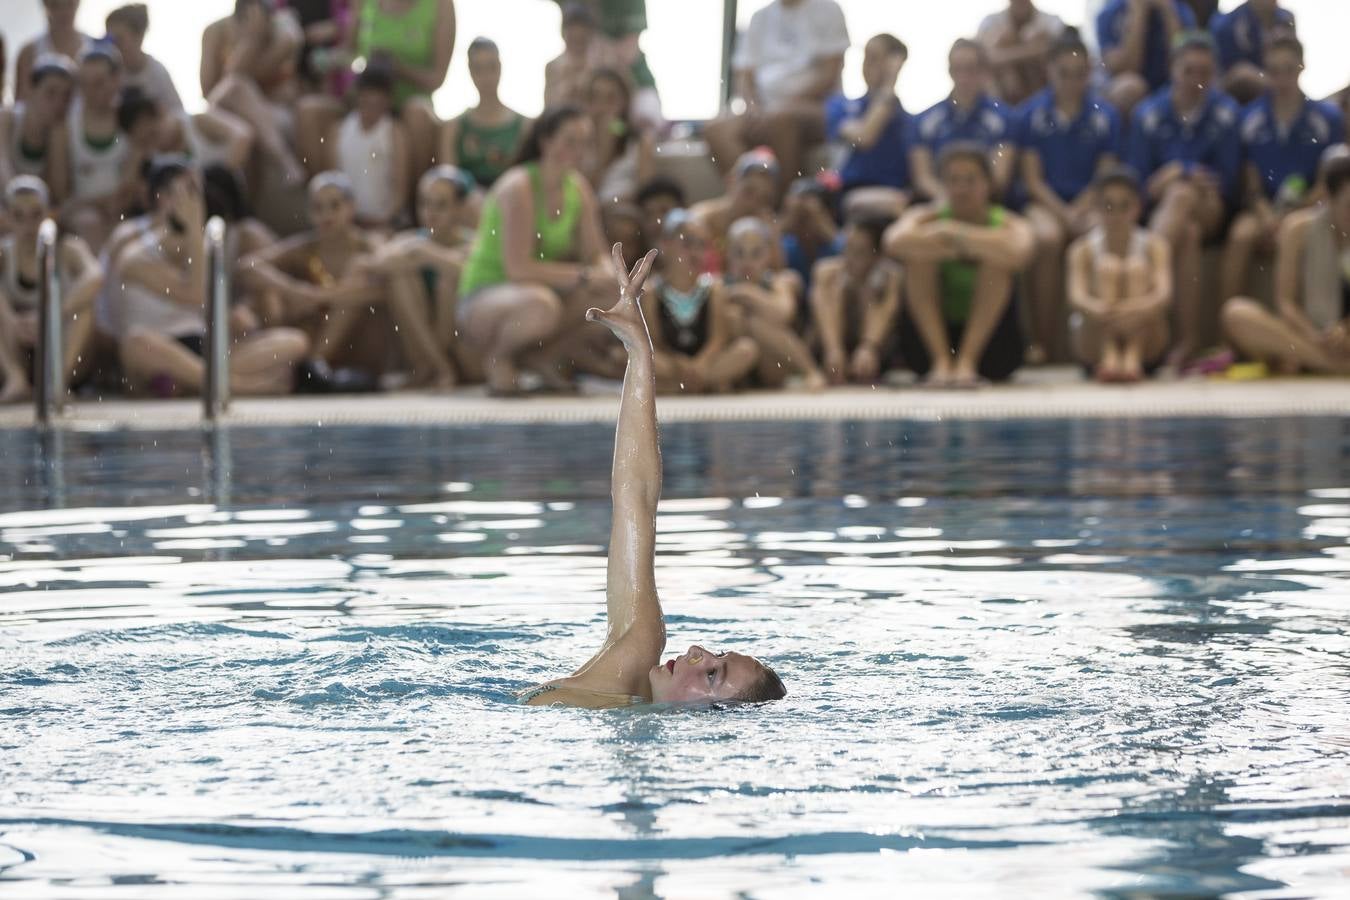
(960, 325)
(619, 25)
(483, 139)
(537, 263)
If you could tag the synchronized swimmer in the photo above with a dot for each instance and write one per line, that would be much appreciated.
(627, 669)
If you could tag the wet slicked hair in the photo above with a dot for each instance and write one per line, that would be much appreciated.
(767, 686)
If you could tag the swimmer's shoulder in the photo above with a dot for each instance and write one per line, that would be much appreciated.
(559, 693)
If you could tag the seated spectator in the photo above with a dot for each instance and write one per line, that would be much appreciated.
(751, 193)
(621, 157)
(969, 115)
(414, 39)
(656, 198)
(1184, 143)
(248, 68)
(622, 222)
(422, 268)
(127, 26)
(1018, 41)
(61, 38)
(787, 63)
(1203, 10)
(484, 139)
(618, 27)
(163, 281)
(1310, 329)
(772, 304)
(1284, 135)
(1066, 136)
(960, 324)
(566, 75)
(95, 150)
(810, 233)
(1135, 37)
(696, 332)
(321, 281)
(855, 302)
(27, 204)
(875, 130)
(531, 274)
(370, 147)
(1120, 286)
(1242, 36)
(325, 56)
(212, 137)
(28, 128)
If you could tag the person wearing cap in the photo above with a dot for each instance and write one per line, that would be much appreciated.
(855, 303)
(1120, 285)
(484, 139)
(1310, 328)
(1284, 134)
(960, 325)
(96, 151)
(28, 127)
(1184, 144)
(27, 204)
(1135, 37)
(970, 114)
(787, 63)
(1018, 39)
(1242, 36)
(160, 321)
(697, 333)
(421, 268)
(61, 38)
(874, 131)
(753, 188)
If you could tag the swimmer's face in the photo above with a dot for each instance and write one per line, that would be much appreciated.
(26, 212)
(701, 676)
(687, 246)
(754, 191)
(51, 96)
(331, 211)
(749, 257)
(567, 147)
(655, 209)
(373, 105)
(1118, 205)
(860, 254)
(146, 132)
(485, 70)
(99, 83)
(967, 187)
(438, 206)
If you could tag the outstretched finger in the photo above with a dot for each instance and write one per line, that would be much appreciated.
(638, 276)
(620, 267)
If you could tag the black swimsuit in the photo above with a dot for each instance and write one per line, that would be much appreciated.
(683, 334)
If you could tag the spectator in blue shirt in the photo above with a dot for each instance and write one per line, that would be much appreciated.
(1065, 137)
(1242, 36)
(1284, 135)
(1184, 144)
(875, 130)
(1135, 37)
(969, 115)
(810, 232)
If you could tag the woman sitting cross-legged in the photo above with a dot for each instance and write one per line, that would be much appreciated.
(698, 339)
(422, 269)
(1120, 285)
(961, 261)
(537, 261)
(855, 299)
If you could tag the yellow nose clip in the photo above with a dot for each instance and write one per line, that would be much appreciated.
(695, 659)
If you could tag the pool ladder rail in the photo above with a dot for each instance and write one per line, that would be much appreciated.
(49, 396)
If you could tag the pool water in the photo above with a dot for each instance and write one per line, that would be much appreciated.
(1025, 659)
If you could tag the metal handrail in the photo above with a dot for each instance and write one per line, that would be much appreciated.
(728, 86)
(50, 391)
(216, 388)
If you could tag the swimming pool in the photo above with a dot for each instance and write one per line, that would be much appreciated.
(1050, 658)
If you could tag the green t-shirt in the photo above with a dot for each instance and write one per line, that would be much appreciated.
(555, 242)
(957, 277)
(409, 38)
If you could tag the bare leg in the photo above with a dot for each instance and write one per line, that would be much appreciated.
(242, 97)
(16, 387)
(726, 141)
(782, 354)
(264, 363)
(921, 286)
(1175, 221)
(1237, 256)
(408, 302)
(315, 116)
(506, 321)
(1259, 334)
(424, 128)
(79, 341)
(147, 355)
(727, 369)
(1047, 284)
(993, 291)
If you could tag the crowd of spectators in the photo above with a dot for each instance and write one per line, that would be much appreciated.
(1113, 207)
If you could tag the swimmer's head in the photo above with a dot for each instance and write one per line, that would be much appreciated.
(755, 180)
(967, 177)
(683, 242)
(27, 202)
(749, 249)
(50, 86)
(331, 204)
(440, 193)
(559, 138)
(485, 65)
(862, 244)
(701, 676)
(1119, 199)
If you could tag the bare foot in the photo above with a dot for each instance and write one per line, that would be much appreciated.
(625, 317)
(500, 376)
(815, 381)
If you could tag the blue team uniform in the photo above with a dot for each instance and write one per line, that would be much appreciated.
(886, 163)
(1239, 36)
(1279, 153)
(1159, 136)
(987, 123)
(1071, 151)
(1157, 54)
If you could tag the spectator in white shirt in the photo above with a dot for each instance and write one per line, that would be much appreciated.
(787, 63)
(127, 26)
(1018, 40)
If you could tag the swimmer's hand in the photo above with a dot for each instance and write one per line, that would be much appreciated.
(625, 317)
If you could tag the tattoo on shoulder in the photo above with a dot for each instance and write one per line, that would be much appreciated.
(537, 692)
